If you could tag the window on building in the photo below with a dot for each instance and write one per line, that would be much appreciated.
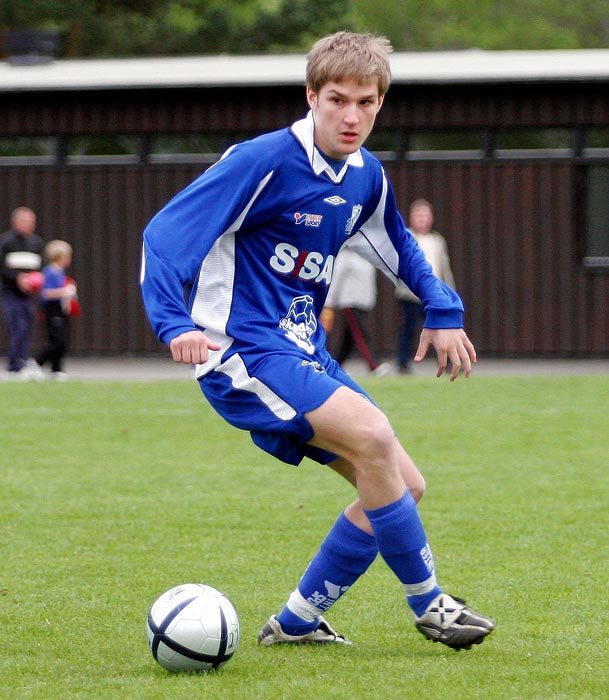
(27, 149)
(597, 142)
(199, 147)
(103, 149)
(386, 144)
(453, 144)
(533, 143)
(596, 233)
(205, 148)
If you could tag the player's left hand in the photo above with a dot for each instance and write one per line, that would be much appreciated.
(450, 344)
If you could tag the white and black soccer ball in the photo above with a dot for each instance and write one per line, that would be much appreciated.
(192, 627)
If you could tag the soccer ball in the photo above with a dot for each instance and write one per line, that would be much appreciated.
(192, 627)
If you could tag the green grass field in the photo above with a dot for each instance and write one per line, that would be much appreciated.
(113, 492)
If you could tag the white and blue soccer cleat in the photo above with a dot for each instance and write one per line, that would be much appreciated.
(272, 633)
(450, 621)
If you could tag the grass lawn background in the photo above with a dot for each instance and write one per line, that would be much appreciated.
(113, 492)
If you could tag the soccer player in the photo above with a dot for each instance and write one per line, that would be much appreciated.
(256, 236)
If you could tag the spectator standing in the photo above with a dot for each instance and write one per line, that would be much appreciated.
(20, 254)
(353, 293)
(56, 297)
(435, 249)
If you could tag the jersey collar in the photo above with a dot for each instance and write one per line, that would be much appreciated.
(304, 131)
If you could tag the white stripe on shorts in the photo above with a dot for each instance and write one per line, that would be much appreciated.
(235, 368)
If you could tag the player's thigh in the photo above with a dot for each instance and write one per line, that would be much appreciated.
(350, 425)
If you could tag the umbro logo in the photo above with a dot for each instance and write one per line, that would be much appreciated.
(335, 200)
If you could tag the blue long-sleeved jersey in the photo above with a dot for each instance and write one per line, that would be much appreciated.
(257, 234)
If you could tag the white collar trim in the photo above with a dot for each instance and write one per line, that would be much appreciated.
(304, 130)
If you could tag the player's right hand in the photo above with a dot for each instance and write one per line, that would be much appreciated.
(191, 347)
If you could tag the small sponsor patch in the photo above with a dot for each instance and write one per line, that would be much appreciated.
(308, 219)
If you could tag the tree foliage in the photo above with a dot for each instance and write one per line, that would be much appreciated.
(488, 24)
(153, 27)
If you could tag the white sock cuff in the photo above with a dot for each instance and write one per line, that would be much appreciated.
(302, 607)
(422, 587)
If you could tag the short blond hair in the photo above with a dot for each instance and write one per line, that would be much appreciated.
(55, 250)
(347, 55)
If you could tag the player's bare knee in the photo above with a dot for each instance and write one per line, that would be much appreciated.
(374, 451)
(414, 480)
(417, 488)
(375, 444)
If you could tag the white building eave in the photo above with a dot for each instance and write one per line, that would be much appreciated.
(424, 67)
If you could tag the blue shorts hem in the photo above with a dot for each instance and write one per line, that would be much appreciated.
(277, 393)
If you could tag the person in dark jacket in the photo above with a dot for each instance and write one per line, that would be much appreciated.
(20, 254)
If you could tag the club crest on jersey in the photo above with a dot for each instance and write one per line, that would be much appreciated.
(357, 210)
(300, 322)
(313, 220)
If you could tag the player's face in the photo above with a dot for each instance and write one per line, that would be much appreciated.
(344, 115)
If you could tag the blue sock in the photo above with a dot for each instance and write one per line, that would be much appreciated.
(345, 554)
(403, 545)
(420, 603)
(292, 624)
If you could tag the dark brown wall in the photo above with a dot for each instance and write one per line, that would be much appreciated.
(511, 225)
(511, 232)
(264, 108)
(151, 111)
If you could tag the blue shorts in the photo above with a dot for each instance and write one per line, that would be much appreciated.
(269, 397)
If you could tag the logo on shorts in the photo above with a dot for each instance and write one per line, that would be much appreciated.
(300, 322)
(315, 365)
(313, 220)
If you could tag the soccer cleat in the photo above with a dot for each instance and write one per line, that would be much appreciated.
(450, 621)
(272, 633)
